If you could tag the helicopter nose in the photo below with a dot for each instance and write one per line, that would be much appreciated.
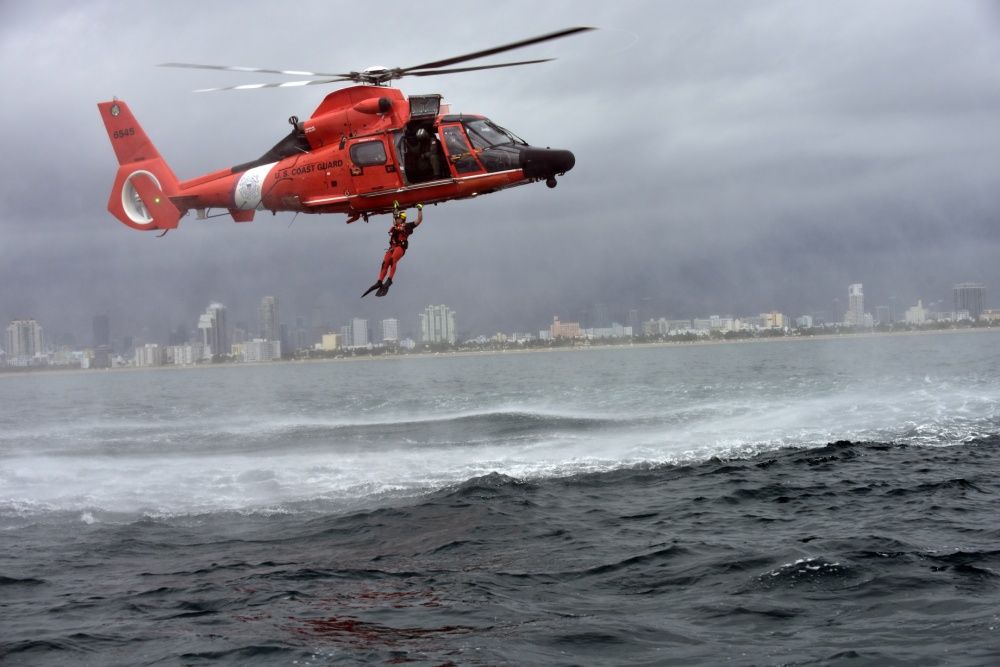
(546, 162)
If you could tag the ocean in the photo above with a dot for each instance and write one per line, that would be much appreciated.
(794, 502)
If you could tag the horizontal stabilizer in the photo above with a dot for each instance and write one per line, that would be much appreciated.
(138, 198)
(158, 206)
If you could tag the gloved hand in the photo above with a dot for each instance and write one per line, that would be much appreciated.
(420, 207)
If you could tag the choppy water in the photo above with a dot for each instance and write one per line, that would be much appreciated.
(669, 505)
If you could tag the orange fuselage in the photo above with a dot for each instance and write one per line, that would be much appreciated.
(365, 150)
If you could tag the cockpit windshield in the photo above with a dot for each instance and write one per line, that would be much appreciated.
(483, 134)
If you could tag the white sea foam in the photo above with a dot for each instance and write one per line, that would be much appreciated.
(259, 451)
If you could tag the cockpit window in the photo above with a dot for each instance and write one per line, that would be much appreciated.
(485, 134)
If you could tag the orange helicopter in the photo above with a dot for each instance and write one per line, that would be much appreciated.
(366, 150)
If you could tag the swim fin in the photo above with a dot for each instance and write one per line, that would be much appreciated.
(377, 286)
(384, 289)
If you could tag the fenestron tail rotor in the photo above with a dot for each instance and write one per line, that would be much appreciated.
(382, 75)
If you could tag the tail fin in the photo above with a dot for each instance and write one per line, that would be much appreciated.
(140, 197)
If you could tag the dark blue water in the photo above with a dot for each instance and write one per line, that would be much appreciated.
(677, 505)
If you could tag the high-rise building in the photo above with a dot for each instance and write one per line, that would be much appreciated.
(300, 337)
(917, 314)
(149, 354)
(214, 332)
(359, 332)
(259, 349)
(331, 342)
(267, 318)
(101, 358)
(969, 297)
(187, 354)
(855, 315)
(565, 329)
(773, 320)
(633, 321)
(390, 330)
(285, 338)
(102, 330)
(437, 325)
(24, 339)
(883, 315)
(102, 342)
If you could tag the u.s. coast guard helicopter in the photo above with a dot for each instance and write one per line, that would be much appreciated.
(365, 150)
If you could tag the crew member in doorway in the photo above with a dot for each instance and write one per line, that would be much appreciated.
(398, 242)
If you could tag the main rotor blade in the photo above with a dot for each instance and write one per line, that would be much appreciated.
(456, 70)
(284, 84)
(254, 70)
(497, 49)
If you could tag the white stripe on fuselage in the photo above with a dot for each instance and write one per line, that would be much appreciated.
(249, 188)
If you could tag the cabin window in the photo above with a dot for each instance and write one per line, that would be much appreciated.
(368, 153)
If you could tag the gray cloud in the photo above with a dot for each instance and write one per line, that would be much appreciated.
(730, 158)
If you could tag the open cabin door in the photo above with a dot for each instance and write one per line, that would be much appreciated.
(461, 158)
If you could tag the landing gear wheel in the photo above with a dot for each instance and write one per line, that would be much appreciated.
(551, 181)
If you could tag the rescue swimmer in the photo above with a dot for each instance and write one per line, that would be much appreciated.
(399, 236)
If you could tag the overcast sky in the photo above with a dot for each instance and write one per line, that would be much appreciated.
(731, 158)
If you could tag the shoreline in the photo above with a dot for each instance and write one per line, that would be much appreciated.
(584, 347)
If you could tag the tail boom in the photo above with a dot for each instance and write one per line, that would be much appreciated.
(144, 184)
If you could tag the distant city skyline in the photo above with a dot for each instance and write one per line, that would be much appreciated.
(603, 314)
(437, 324)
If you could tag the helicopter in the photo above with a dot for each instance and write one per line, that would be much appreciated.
(367, 149)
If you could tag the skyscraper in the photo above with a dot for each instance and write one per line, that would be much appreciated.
(24, 339)
(267, 318)
(102, 342)
(633, 321)
(969, 296)
(300, 339)
(102, 330)
(359, 332)
(150, 354)
(437, 325)
(214, 332)
(390, 330)
(855, 316)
